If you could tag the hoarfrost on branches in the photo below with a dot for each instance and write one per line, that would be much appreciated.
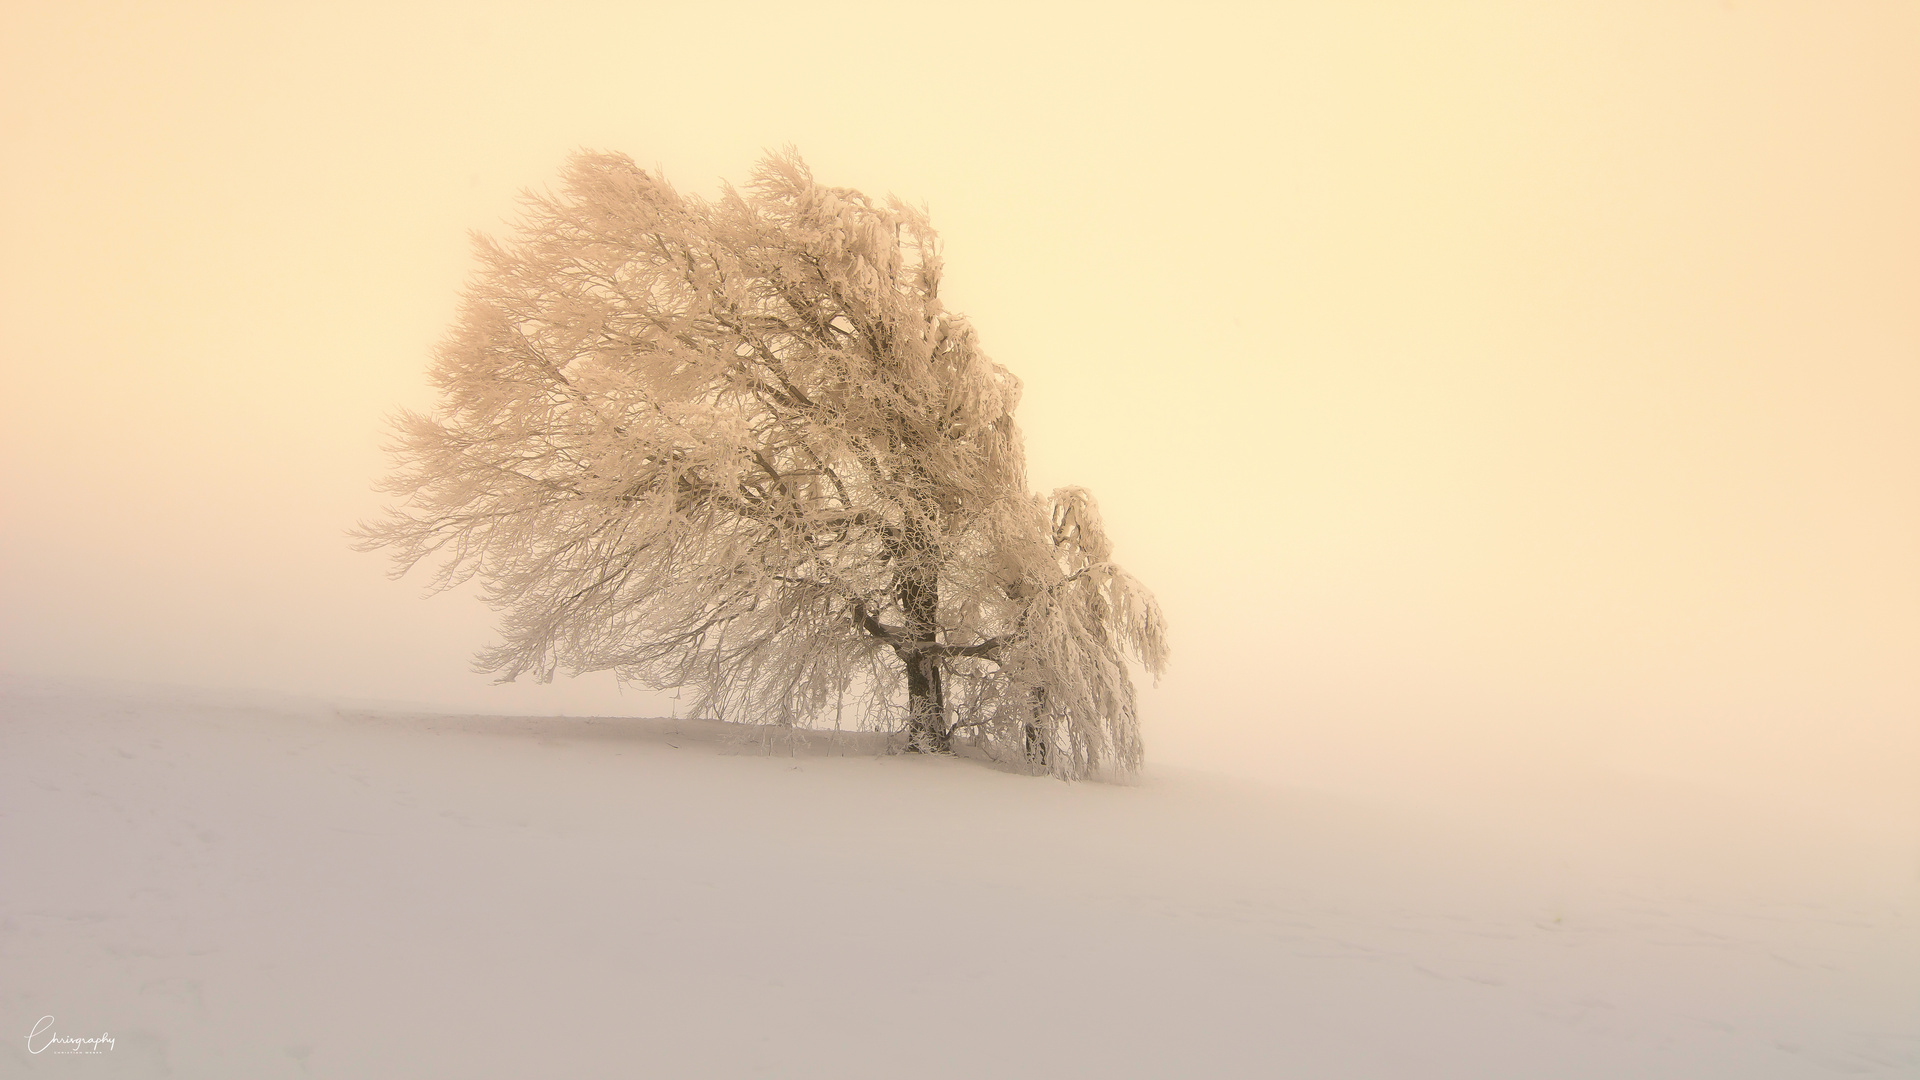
(740, 446)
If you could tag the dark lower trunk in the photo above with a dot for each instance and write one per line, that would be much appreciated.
(1037, 742)
(927, 731)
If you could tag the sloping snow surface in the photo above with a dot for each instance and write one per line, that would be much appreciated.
(235, 889)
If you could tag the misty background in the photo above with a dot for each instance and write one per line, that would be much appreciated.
(1483, 390)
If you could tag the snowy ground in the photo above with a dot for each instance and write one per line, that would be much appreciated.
(245, 890)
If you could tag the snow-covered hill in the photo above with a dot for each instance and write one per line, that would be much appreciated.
(235, 889)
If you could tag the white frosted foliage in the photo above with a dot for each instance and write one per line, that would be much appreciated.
(739, 446)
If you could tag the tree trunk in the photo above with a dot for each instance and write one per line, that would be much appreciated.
(927, 730)
(1036, 742)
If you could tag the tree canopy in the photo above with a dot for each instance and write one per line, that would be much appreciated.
(740, 446)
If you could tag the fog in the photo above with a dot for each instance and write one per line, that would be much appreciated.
(1488, 393)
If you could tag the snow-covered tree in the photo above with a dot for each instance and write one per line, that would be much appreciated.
(739, 446)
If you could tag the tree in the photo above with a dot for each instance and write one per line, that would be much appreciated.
(740, 446)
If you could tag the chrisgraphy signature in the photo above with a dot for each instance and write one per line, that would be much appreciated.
(43, 1038)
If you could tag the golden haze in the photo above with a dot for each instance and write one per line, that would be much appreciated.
(1475, 384)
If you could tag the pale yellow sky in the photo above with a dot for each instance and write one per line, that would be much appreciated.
(1511, 382)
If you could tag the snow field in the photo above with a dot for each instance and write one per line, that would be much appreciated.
(272, 889)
